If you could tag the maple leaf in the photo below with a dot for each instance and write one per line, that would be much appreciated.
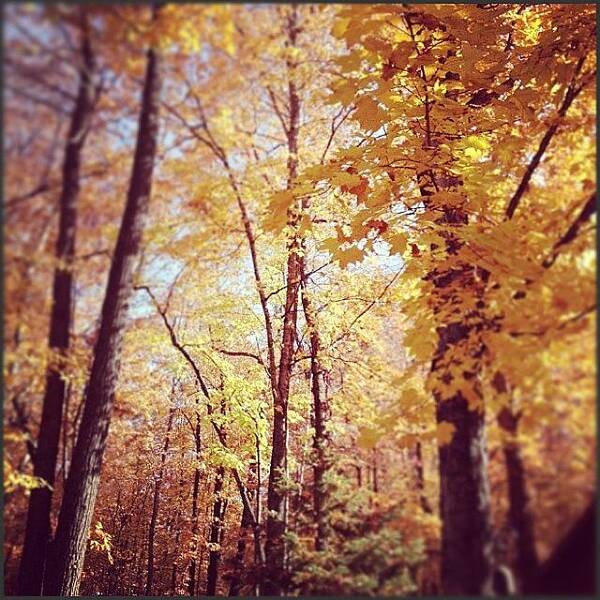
(277, 216)
(397, 243)
(348, 256)
(368, 113)
(444, 432)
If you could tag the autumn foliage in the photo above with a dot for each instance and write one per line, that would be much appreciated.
(299, 299)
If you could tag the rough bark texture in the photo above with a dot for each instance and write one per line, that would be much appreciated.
(216, 534)
(466, 564)
(275, 548)
(82, 485)
(464, 501)
(156, 506)
(466, 561)
(37, 532)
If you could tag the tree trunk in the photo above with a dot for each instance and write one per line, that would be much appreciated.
(519, 514)
(237, 577)
(464, 487)
(37, 532)
(320, 411)
(156, 505)
(572, 567)
(195, 495)
(375, 471)
(466, 562)
(275, 547)
(420, 473)
(464, 500)
(216, 533)
(82, 485)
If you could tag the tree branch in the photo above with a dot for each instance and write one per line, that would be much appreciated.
(589, 208)
(570, 95)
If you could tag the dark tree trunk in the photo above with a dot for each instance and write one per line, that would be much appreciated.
(156, 506)
(82, 484)
(321, 415)
(237, 576)
(195, 496)
(420, 473)
(519, 514)
(275, 547)
(464, 501)
(572, 568)
(37, 532)
(216, 533)
(466, 562)
(375, 471)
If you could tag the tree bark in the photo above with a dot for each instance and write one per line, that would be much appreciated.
(464, 501)
(321, 414)
(82, 485)
(156, 506)
(420, 473)
(237, 576)
(466, 562)
(195, 496)
(464, 487)
(275, 547)
(216, 534)
(37, 532)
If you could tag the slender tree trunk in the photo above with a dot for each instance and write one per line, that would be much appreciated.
(195, 496)
(321, 414)
(275, 547)
(375, 472)
(519, 514)
(82, 485)
(216, 533)
(237, 576)
(156, 506)
(420, 473)
(37, 531)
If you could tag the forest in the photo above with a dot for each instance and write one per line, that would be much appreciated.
(299, 299)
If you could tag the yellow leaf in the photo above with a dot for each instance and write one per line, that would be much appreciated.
(444, 432)
(368, 113)
(367, 438)
(345, 257)
(279, 204)
(397, 243)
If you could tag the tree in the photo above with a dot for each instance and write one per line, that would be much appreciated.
(37, 532)
(367, 263)
(418, 50)
(82, 485)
